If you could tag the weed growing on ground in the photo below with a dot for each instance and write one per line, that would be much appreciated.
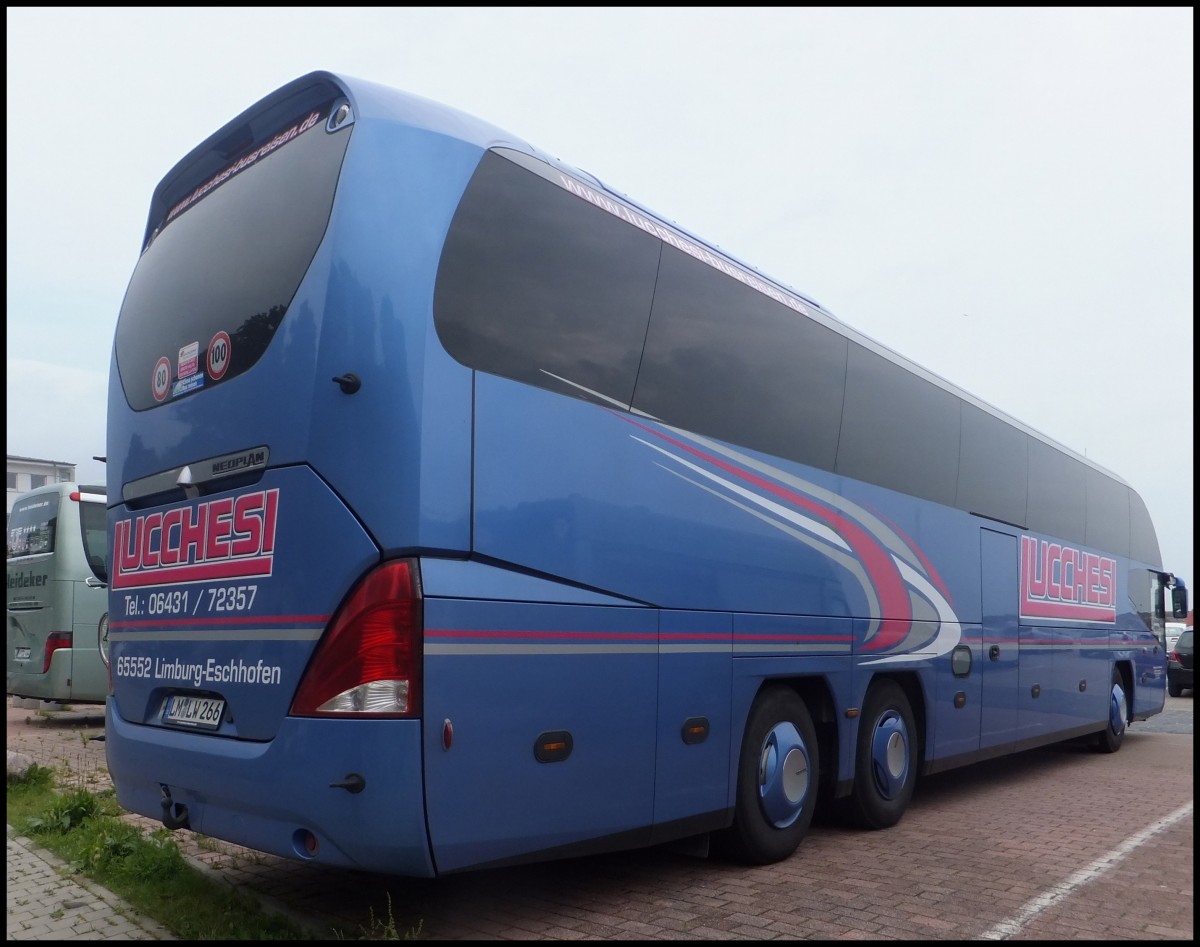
(35, 778)
(385, 928)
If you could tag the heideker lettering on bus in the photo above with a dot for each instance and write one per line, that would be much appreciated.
(233, 537)
(24, 580)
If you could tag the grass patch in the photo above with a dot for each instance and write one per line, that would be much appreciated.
(31, 793)
(149, 871)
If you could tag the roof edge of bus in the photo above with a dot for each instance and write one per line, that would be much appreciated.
(366, 98)
(168, 192)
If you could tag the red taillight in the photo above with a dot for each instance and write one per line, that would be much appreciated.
(368, 664)
(1174, 656)
(54, 641)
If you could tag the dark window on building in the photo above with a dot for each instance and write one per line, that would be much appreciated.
(898, 430)
(727, 361)
(12, 480)
(536, 283)
(993, 472)
(38, 480)
(1057, 493)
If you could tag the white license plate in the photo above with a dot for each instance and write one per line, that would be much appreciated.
(188, 711)
(22, 654)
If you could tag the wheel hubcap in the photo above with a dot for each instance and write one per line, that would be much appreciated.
(783, 775)
(889, 755)
(1116, 709)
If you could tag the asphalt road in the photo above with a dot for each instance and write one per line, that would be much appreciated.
(1060, 843)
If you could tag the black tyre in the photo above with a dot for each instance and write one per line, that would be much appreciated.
(778, 770)
(1174, 688)
(885, 759)
(1110, 738)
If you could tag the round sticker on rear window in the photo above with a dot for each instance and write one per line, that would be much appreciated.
(219, 351)
(160, 381)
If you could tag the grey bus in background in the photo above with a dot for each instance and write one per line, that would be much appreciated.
(57, 597)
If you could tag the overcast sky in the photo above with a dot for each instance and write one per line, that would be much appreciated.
(1003, 195)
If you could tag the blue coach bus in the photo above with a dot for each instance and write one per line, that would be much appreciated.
(466, 513)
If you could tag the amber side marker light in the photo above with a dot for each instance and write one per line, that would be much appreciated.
(553, 746)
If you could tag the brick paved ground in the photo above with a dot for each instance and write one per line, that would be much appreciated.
(1061, 843)
(46, 903)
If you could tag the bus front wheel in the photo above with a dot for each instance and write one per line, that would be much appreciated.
(1110, 738)
(777, 778)
(885, 758)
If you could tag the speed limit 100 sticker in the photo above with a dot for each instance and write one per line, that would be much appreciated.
(219, 351)
(160, 381)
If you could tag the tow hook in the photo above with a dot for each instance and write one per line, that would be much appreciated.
(175, 815)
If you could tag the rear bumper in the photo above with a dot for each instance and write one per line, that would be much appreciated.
(61, 683)
(54, 684)
(266, 796)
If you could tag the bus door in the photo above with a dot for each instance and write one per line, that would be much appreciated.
(1001, 647)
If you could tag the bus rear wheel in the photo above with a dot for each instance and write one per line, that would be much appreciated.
(778, 769)
(885, 759)
(1110, 738)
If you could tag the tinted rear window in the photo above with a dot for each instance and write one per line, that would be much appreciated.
(213, 286)
(33, 526)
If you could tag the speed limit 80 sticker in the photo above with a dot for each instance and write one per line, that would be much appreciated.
(160, 381)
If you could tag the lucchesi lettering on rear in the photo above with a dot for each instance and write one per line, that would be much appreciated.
(229, 538)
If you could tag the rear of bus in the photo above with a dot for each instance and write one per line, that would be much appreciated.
(56, 600)
(285, 435)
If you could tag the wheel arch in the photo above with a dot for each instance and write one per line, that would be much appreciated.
(817, 694)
